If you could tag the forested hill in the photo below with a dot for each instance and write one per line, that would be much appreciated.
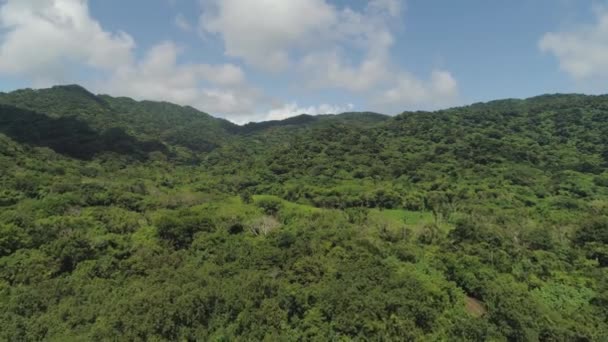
(166, 122)
(127, 220)
(169, 123)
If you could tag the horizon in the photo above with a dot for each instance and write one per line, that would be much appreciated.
(244, 123)
(307, 56)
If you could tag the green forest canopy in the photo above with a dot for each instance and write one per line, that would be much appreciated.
(150, 221)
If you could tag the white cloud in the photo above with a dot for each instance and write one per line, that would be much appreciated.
(366, 31)
(42, 36)
(329, 47)
(218, 89)
(439, 91)
(270, 34)
(282, 111)
(331, 70)
(263, 31)
(292, 109)
(324, 46)
(45, 40)
(582, 52)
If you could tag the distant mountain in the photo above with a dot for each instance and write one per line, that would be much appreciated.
(355, 119)
(173, 124)
(502, 130)
(149, 120)
(70, 135)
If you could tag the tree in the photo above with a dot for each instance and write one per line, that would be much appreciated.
(179, 228)
(264, 225)
(12, 238)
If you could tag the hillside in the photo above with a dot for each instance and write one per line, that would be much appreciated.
(147, 220)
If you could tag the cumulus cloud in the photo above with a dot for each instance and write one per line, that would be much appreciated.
(41, 36)
(269, 34)
(284, 110)
(262, 32)
(331, 70)
(292, 109)
(583, 51)
(439, 91)
(219, 89)
(328, 47)
(366, 31)
(318, 43)
(48, 41)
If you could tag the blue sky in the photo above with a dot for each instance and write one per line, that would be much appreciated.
(269, 59)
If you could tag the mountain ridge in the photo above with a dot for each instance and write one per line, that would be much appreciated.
(76, 88)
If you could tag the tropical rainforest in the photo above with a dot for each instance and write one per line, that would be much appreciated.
(148, 221)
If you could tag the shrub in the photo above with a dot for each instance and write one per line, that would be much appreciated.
(270, 206)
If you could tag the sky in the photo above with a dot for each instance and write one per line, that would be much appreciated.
(248, 60)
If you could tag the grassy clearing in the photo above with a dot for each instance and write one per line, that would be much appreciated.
(288, 207)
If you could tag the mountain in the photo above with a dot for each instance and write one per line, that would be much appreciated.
(361, 119)
(142, 220)
(169, 123)
(70, 135)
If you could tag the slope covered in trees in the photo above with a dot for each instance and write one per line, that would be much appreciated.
(150, 221)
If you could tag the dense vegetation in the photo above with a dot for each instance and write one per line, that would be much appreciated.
(125, 220)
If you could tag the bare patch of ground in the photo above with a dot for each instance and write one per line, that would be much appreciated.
(475, 307)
